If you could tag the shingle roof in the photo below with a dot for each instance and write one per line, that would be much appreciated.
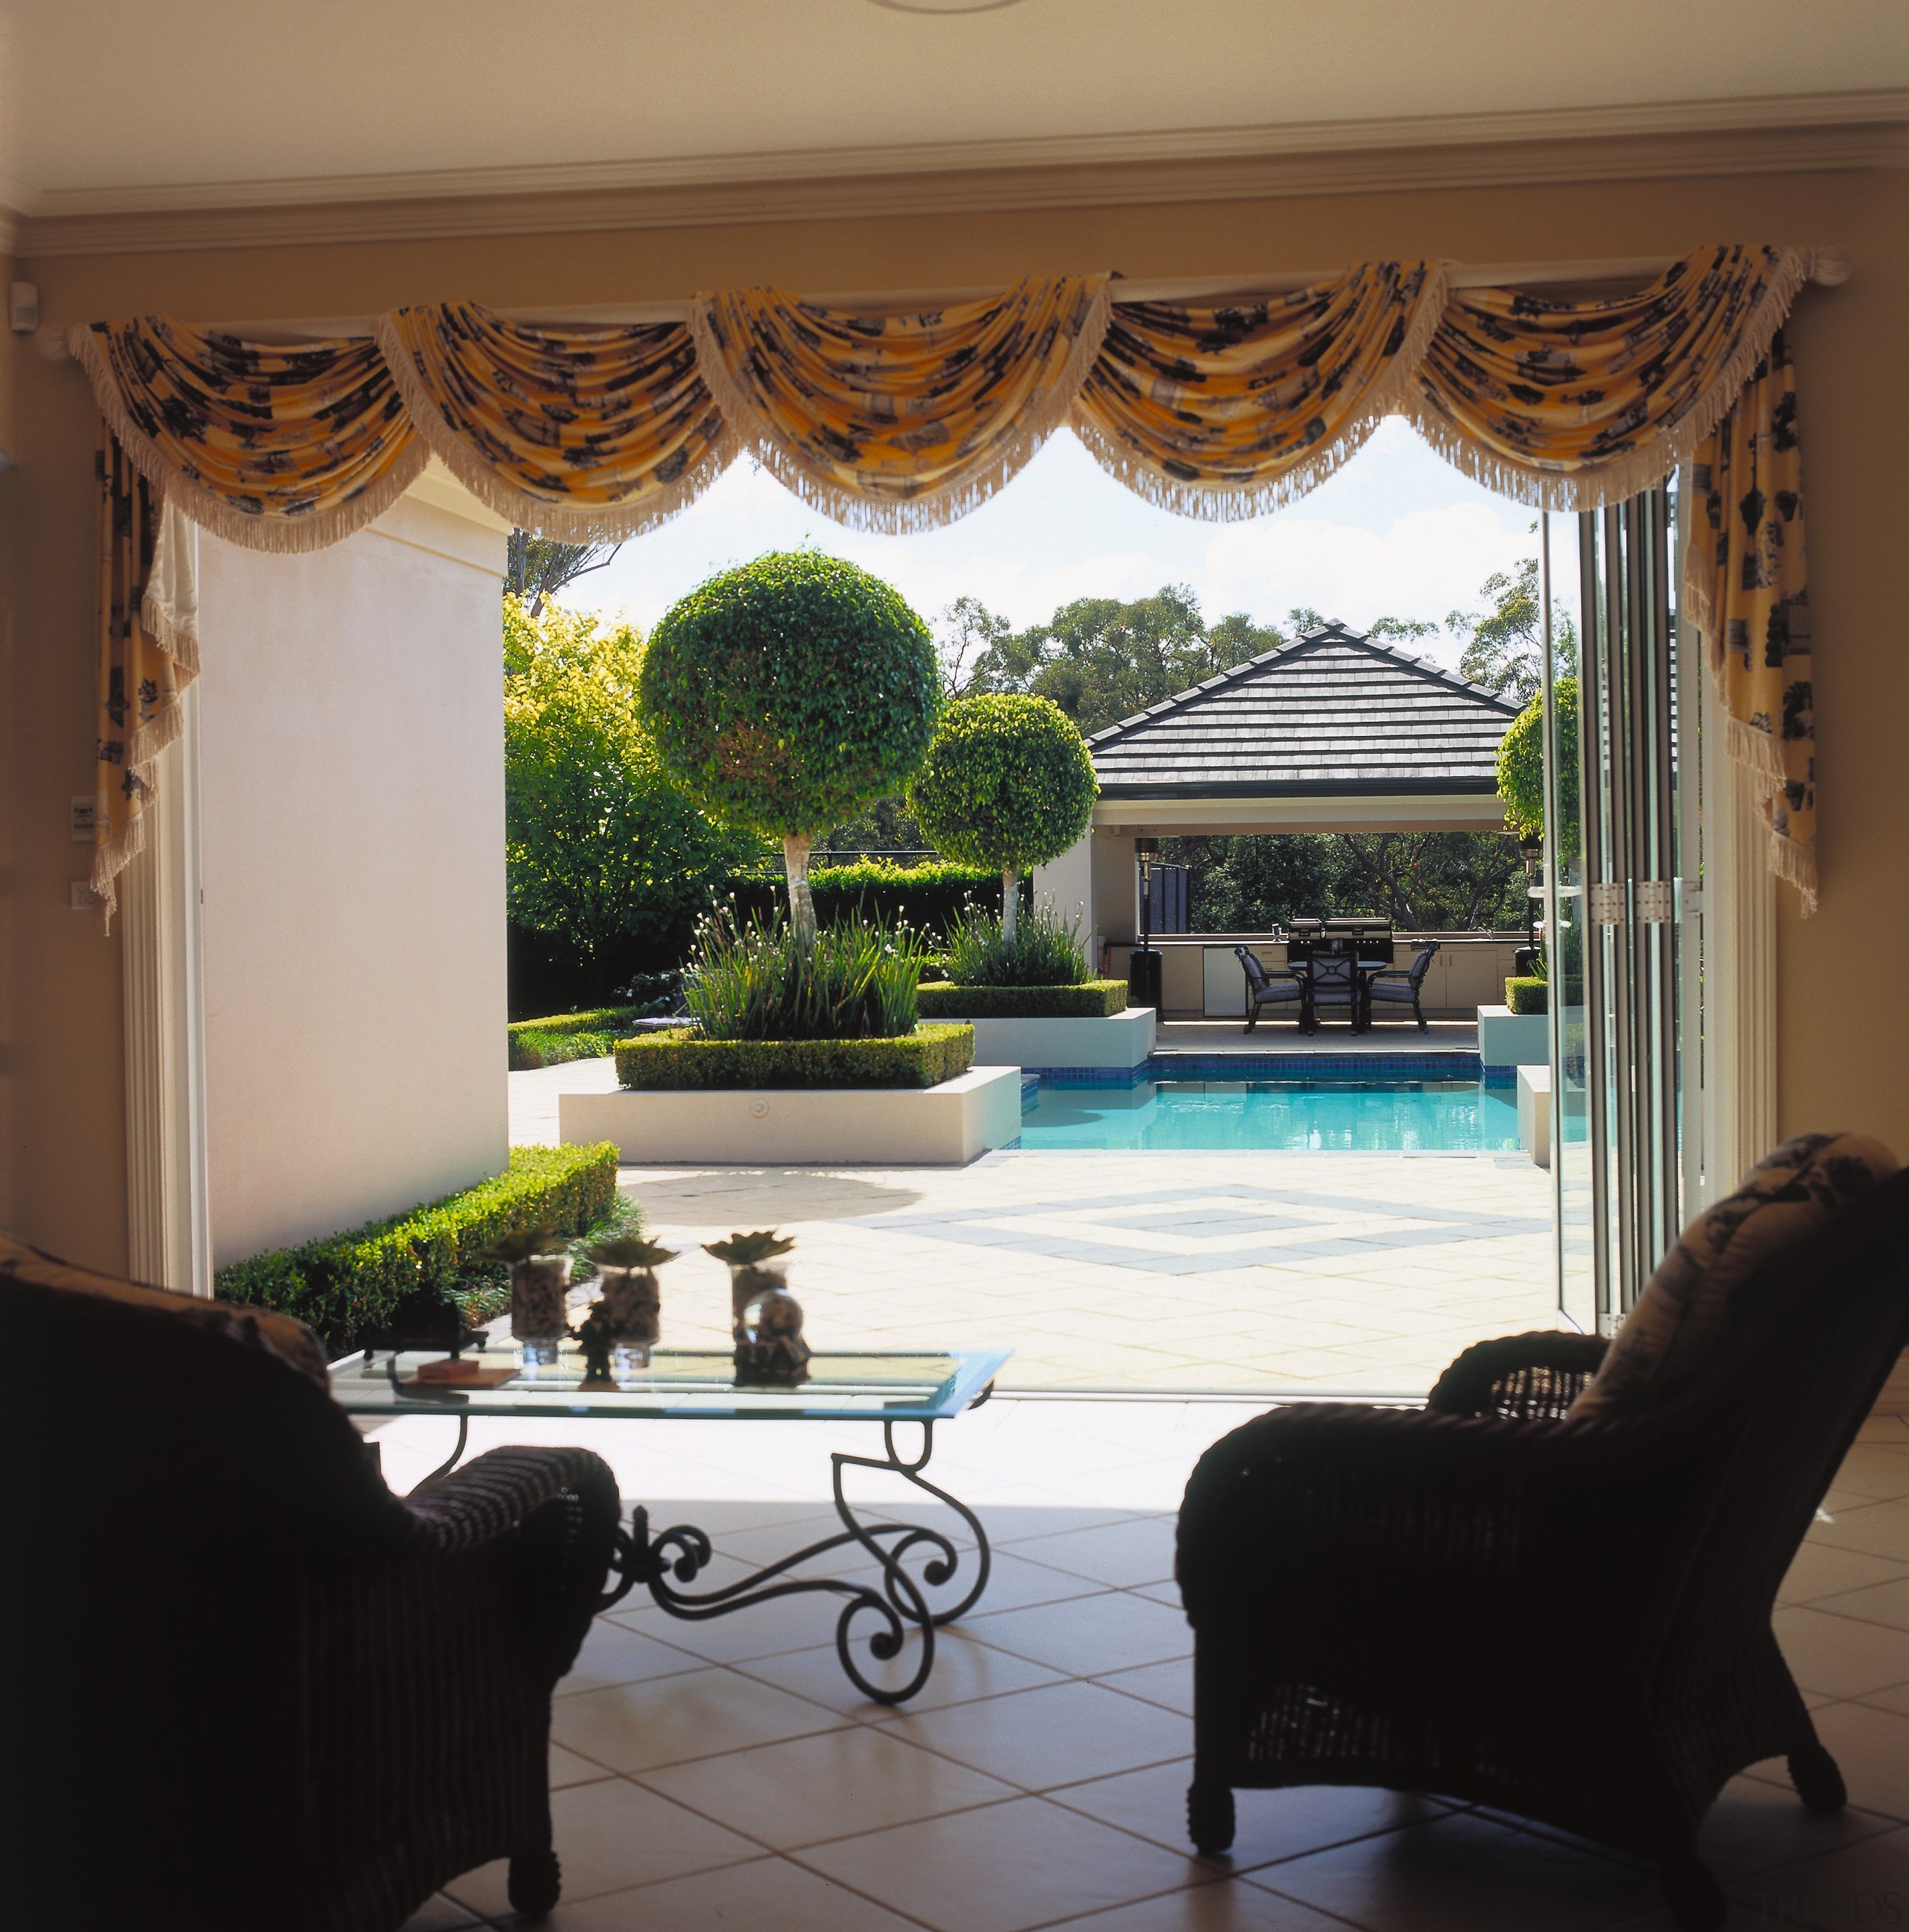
(1332, 712)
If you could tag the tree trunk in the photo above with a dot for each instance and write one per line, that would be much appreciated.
(1010, 904)
(802, 904)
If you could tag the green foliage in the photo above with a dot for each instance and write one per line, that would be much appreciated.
(1091, 999)
(678, 1060)
(602, 850)
(345, 1285)
(1044, 951)
(1528, 995)
(1521, 766)
(928, 897)
(786, 695)
(1504, 646)
(1424, 881)
(1007, 782)
(754, 980)
(567, 1037)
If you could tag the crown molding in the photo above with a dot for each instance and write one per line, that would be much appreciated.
(1808, 133)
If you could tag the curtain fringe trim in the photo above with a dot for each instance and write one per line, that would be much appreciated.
(144, 742)
(112, 858)
(1224, 502)
(179, 644)
(929, 509)
(598, 523)
(278, 535)
(1796, 864)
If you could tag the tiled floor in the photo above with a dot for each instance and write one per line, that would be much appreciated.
(722, 1774)
(1323, 1274)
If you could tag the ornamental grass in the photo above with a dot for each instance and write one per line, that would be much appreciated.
(751, 979)
(1044, 951)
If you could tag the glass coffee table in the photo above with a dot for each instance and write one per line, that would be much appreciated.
(872, 1386)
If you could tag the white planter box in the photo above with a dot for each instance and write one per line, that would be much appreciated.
(1534, 1113)
(1121, 1040)
(1506, 1039)
(945, 1125)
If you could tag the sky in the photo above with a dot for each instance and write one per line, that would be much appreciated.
(1397, 532)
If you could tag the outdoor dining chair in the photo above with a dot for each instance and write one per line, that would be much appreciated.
(1401, 986)
(1271, 989)
(1549, 1590)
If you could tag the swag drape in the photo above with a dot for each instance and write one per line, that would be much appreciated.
(906, 420)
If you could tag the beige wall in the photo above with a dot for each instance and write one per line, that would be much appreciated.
(59, 1050)
(351, 775)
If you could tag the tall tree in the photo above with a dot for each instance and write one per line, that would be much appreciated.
(1504, 645)
(537, 567)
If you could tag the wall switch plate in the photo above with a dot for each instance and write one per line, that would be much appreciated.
(84, 807)
(81, 897)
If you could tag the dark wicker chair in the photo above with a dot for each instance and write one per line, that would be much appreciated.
(1270, 989)
(1570, 1620)
(247, 1686)
(1401, 985)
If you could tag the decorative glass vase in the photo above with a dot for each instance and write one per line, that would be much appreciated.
(632, 1305)
(539, 1318)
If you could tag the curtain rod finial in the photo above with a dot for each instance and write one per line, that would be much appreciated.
(1830, 266)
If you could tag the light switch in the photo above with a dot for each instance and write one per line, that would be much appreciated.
(84, 807)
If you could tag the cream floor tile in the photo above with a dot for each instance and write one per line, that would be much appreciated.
(1123, 1554)
(839, 1785)
(567, 1768)
(756, 1629)
(1822, 1570)
(1866, 1882)
(614, 1653)
(1011, 1866)
(965, 1670)
(1755, 1826)
(1151, 1802)
(609, 1836)
(1841, 1656)
(1056, 1734)
(771, 1893)
(438, 1914)
(1226, 1906)
(1086, 1636)
(1461, 1873)
(1876, 1604)
(671, 1720)
(1169, 1685)
(1872, 1470)
(1895, 1698)
(1878, 1529)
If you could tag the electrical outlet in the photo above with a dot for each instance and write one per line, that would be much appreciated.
(84, 807)
(81, 896)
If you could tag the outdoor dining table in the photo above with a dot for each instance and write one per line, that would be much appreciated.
(872, 1386)
(1363, 972)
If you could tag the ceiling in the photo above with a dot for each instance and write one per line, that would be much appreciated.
(122, 105)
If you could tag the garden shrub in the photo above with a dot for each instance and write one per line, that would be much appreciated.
(756, 980)
(567, 1036)
(1528, 995)
(1092, 1000)
(346, 1284)
(928, 897)
(1044, 951)
(680, 1059)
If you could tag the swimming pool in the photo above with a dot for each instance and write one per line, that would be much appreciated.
(1386, 1114)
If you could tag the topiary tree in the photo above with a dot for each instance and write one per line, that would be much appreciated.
(786, 695)
(1521, 768)
(1007, 783)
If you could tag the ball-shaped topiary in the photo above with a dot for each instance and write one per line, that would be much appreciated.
(1521, 768)
(1007, 782)
(785, 695)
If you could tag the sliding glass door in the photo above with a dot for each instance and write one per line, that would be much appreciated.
(1613, 909)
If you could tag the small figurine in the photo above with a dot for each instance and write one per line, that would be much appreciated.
(768, 1319)
(596, 1336)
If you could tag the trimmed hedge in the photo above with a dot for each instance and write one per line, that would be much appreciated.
(342, 1284)
(1092, 1000)
(928, 897)
(567, 1036)
(678, 1059)
(1528, 996)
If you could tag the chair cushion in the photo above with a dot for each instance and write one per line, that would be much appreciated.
(1690, 1304)
(279, 1335)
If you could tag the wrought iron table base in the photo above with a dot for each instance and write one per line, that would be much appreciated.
(678, 1554)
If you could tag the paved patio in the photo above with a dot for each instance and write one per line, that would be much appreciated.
(1325, 1273)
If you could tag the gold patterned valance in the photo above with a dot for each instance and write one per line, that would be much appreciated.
(576, 432)
(1231, 412)
(900, 422)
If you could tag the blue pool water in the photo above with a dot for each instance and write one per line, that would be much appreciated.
(1386, 1115)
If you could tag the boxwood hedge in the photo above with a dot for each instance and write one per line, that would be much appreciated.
(566, 1037)
(1092, 1000)
(343, 1284)
(928, 897)
(1528, 995)
(678, 1059)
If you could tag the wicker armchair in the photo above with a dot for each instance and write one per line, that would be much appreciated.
(248, 1685)
(1570, 1620)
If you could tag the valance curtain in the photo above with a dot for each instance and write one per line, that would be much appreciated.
(906, 420)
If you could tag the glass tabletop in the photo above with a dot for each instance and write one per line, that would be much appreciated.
(874, 1385)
